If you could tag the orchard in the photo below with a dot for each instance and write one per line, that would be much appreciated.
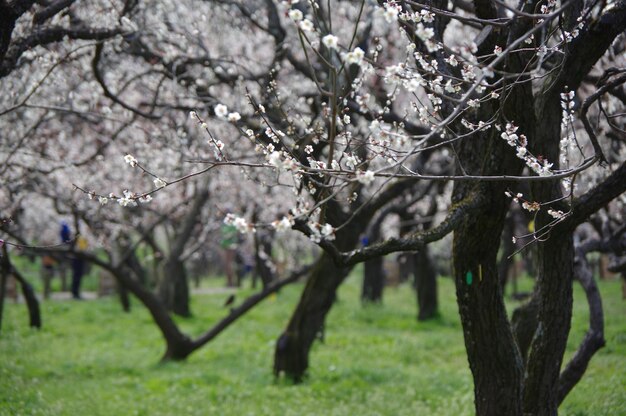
(182, 154)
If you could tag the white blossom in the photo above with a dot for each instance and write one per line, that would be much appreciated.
(424, 33)
(159, 183)
(284, 224)
(130, 159)
(327, 232)
(452, 60)
(275, 159)
(306, 25)
(366, 177)
(295, 15)
(391, 12)
(351, 161)
(355, 57)
(330, 41)
(234, 117)
(557, 214)
(221, 111)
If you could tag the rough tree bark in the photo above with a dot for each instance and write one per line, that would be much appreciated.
(373, 272)
(425, 285)
(174, 291)
(32, 304)
(594, 338)
(373, 280)
(493, 355)
(263, 258)
(507, 250)
(426, 274)
(291, 356)
(4, 277)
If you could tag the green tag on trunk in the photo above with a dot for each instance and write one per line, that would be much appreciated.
(469, 277)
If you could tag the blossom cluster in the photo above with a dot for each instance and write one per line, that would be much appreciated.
(569, 140)
(319, 232)
(240, 223)
(540, 166)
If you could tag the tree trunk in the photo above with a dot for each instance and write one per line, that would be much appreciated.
(179, 345)
(524, 323)
(406, 266)
(173, 288)
(263, 259)
(425, 285)
(373, 270)
(124, 297)
(6, 270)
(4, 278)
(594, 338)
(493, 355)
(178, 349)
(292, 348)
(555, 261)
(263, 265)
(373, 280)
(34, 312)
(508, 248)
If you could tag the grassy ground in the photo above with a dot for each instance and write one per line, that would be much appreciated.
(90, 358)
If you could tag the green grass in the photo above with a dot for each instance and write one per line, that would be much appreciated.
(92, 359)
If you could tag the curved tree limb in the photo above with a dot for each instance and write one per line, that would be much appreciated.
(412, 242)
(32, 304)
(585, 107)
(50, 35)
(52, 10)
(580, 57)
(597, 197)
(248, 304)
(594, 339)
(6, 270)
(107, 92)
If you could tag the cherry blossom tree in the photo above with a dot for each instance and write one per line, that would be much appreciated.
(335, 112)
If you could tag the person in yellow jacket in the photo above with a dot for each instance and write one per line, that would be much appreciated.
(47, 273)
(78, 267)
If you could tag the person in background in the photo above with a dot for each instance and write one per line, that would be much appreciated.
(78, 267)
(47, 273)
(63, 262)
(66, 234)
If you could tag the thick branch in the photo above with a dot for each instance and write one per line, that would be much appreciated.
(581, 57)
(412, 242)
(51, 11)
(585, 107)
(32, 304)
(598, 197)
(46, 36)
(7, 269)
(248, 304)
(190, 221)
(107, 92)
